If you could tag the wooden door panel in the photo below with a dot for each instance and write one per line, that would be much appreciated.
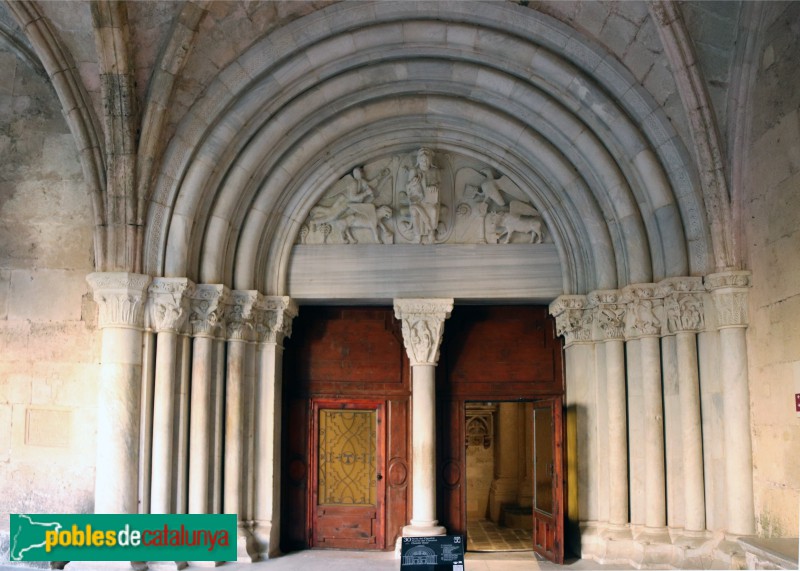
(548, 478)
(348, 490)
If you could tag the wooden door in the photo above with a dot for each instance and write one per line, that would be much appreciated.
(348, 492)
(548, 480)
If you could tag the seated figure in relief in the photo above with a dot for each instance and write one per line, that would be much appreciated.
(422, 190)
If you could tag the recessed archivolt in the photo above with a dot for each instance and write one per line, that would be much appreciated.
(304, 106)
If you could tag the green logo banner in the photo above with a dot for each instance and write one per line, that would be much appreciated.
(123, 537)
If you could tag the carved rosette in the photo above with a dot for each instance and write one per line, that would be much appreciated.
(643, 316)
(207, 309)
(120, 297)
(273, 319)
(240, 314)
(683, 304)
(168, 303)
(423, 325)
(609, 310)
(729, 292)
(573, 319)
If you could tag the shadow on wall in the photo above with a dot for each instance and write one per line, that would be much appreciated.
(572, 532)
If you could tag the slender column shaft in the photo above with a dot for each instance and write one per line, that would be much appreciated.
(655, 483)
(220, 365)
(146, 431)
(738, 444)
(691, 432)
(617, 433)
(181, 502)
(201, 422)
(163, 422)
(232, 495)
(423, 443)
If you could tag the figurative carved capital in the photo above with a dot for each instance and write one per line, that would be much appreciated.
(273, 319)
(120, 297)
(207, 308)
(729, 292)
(573, 319)
(609, 314)
(642, 318)
(168, 303)
(423, 325)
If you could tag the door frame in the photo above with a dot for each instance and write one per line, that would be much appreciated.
(559, 459)
(317, 403)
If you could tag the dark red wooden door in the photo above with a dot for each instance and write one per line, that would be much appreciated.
(548, 478)
(348, 492)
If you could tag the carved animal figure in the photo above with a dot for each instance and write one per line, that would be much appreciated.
(365, 216)
(506, 223)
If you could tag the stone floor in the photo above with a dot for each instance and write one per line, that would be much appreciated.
(485, 535)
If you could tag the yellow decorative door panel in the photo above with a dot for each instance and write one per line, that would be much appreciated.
(348, 495)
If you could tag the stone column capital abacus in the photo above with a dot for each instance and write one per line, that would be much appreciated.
(729, 292)
(423, 327)
(207, 309)
(273, 318)
(573, 318)
(168, 303)
(120, 297)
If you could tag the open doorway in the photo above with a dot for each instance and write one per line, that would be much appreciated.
(499, 466)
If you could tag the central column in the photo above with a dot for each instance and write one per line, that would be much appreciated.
(423, 327)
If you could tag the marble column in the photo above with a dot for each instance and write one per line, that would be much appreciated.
(729, 293)
(645, 323)
(609, 318)
(684, 314)
(120, 297)
(167, 311)
(504, 486)
(239, 322)
(206, 305)
(275, 326)
(423, 326)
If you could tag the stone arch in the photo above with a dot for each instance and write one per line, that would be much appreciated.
(254, 152)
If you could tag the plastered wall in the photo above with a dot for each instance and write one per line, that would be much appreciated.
(48, 356)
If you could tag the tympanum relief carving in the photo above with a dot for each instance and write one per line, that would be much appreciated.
(424, 197)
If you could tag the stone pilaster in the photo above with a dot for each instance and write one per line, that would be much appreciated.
(729, 295)
(120, 297)
(423, 326)
(273, 325)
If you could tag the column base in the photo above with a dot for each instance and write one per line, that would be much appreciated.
(654, 535)
(617, 532)
(266, 545)
(246, 549)
(690, 539)
(424, 529)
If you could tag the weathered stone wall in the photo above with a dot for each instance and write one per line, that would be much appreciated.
(48, 356)
(771, 220)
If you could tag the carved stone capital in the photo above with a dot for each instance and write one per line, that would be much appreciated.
(609, 310)
(168, 303)
(729, 292)
(683, 304)
(423, 325)
(207, 309)
(273, 319)
(643, 317)
(239, 314)
(120, 297)
(573, 319)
